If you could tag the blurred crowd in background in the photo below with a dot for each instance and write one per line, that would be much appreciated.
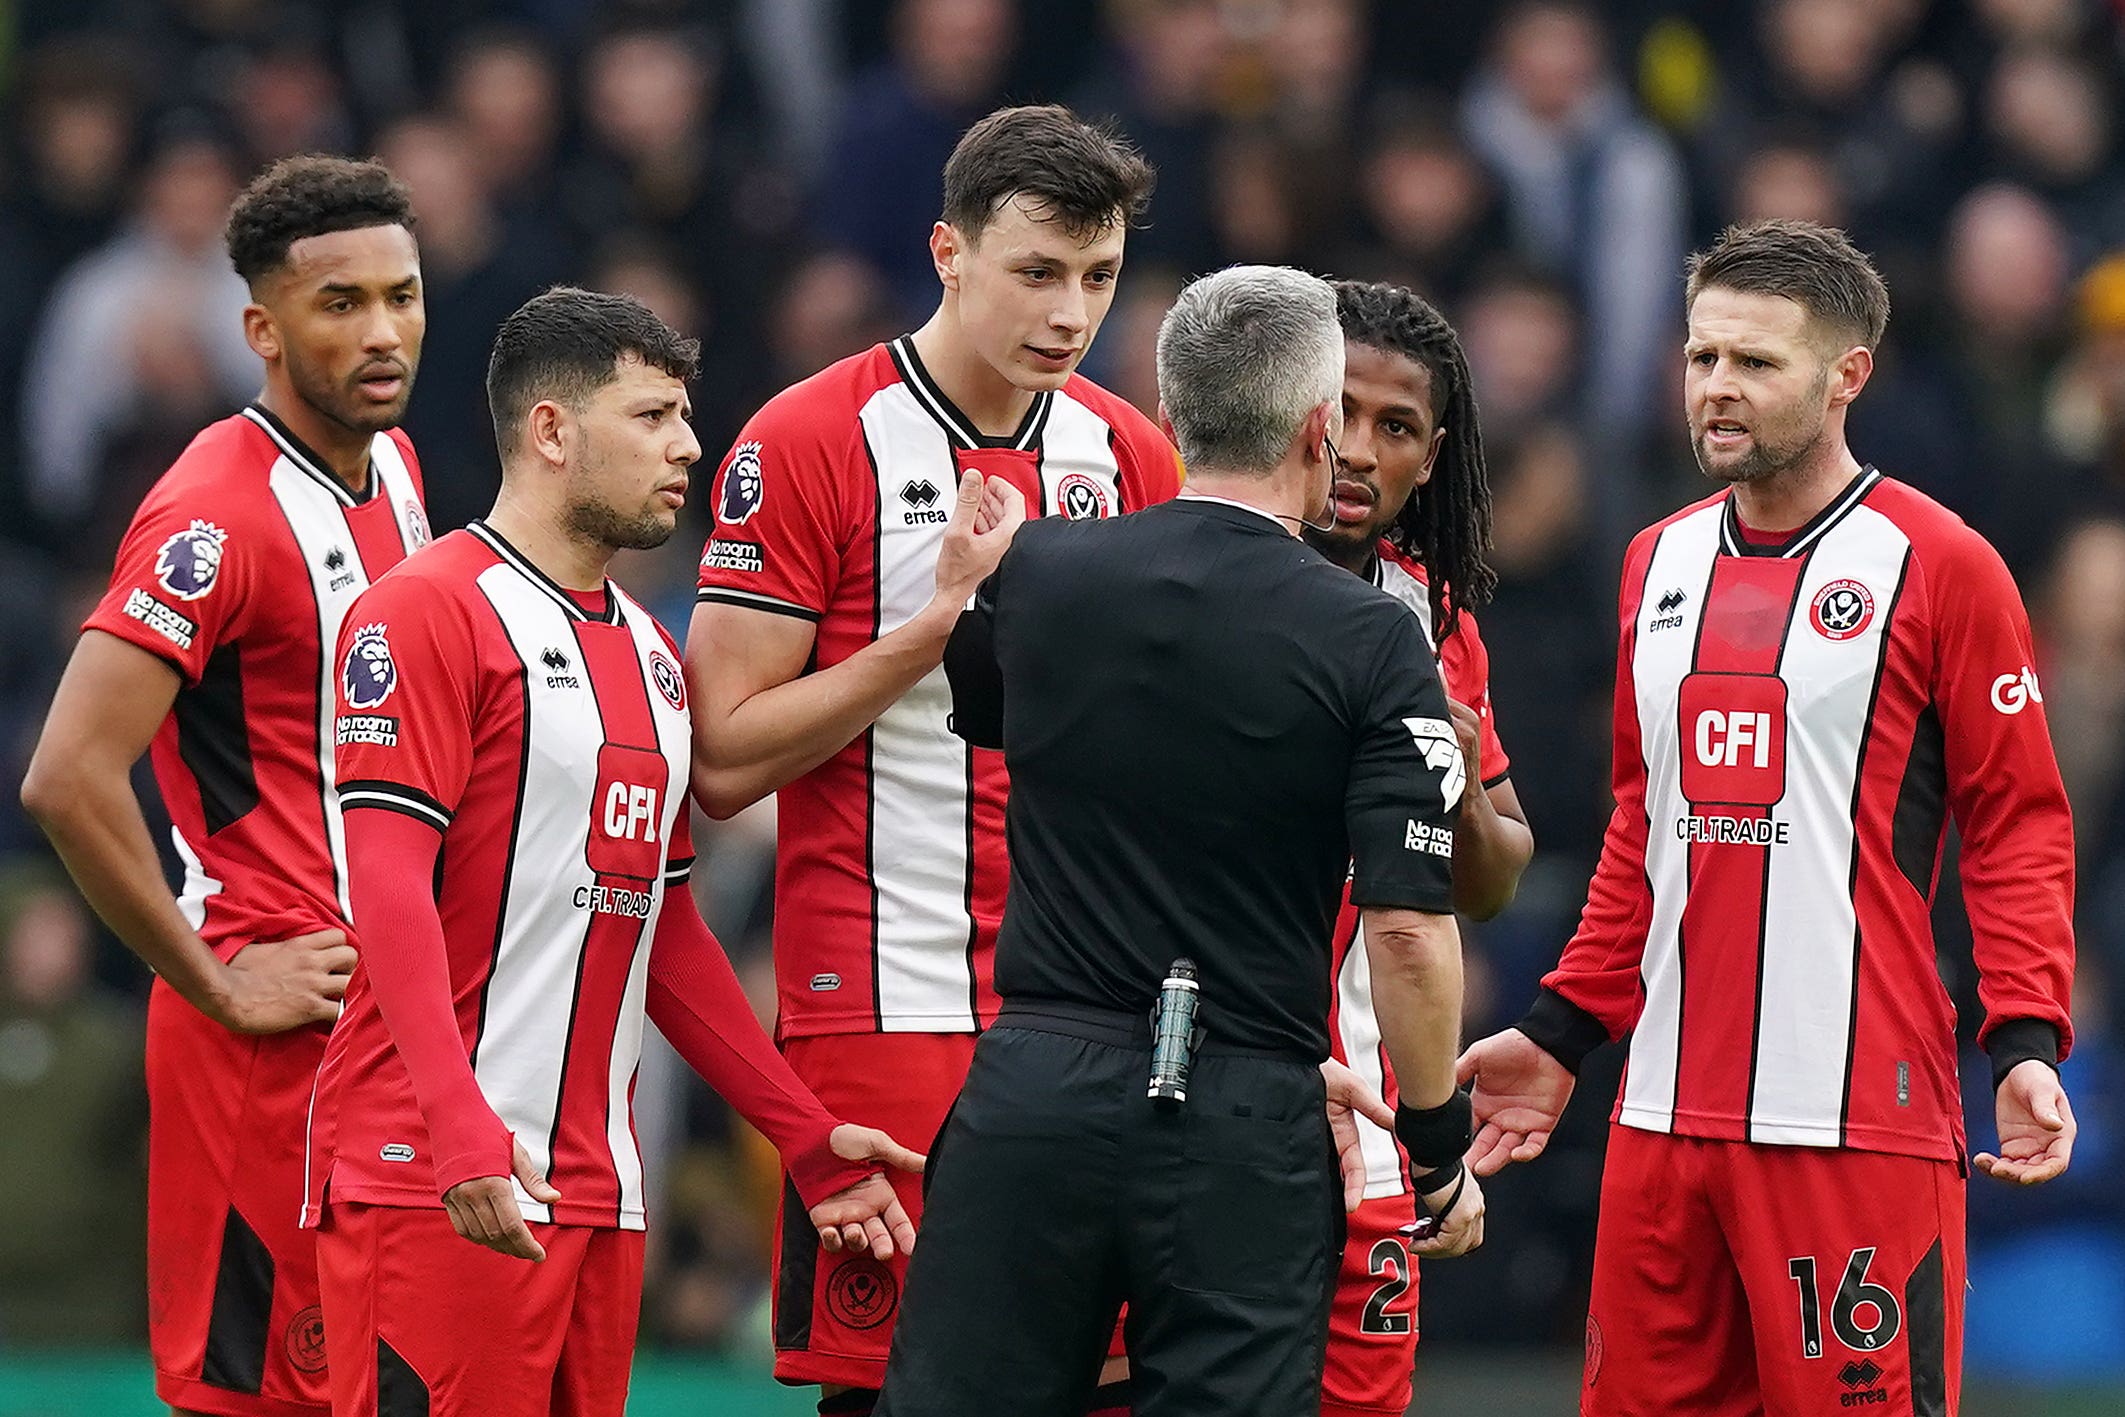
(764, 173)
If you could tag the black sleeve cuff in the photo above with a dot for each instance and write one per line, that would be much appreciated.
(1563, 1030)
(2017, 1040)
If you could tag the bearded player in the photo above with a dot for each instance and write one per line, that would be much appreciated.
(214, 645)
(1819, 667)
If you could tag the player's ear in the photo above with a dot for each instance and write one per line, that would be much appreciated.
(261, 331)
(1849, 374)
(945, 247)
(547, 432)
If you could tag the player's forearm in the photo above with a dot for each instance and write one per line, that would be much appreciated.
(696, 1001)
(405, 962)
(1491, 849)
(1415, 962)
(93, 821)
(777, 735)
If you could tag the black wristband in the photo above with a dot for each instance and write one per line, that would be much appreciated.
(2017, 1040)
(1436, 1137)
(1563, 1030)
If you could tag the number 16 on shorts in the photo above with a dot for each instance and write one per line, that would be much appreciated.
(1864, 1316)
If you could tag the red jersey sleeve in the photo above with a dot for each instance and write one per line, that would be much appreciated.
(2004, 789)
(696, 1002)
(1150, 466)
(407, 685)
(780, 523)
(1594, 994)
(183, 581)
(1465, 665)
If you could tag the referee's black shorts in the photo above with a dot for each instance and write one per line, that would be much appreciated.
(1058, 1192)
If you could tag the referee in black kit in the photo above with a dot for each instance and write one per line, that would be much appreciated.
(1206, 723)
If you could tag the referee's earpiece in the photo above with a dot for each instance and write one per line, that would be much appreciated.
(1334, 459)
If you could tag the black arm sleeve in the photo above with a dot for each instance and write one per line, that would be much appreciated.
(1406, 780)
(970, 665)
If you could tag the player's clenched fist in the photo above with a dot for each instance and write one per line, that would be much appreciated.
(275, 985)
(988, 514)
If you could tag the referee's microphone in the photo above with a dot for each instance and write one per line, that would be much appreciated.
(1328, 508)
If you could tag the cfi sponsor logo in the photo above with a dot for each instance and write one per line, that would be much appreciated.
(1841, 610)
(1080, 498)
(190, 561)
(369, 675)
(744, 486)
(2011, 693)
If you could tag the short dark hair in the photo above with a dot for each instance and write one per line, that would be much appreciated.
(1815, 266)
(1088, 175)
(310, 195)
(567, 343)
(1445, 524)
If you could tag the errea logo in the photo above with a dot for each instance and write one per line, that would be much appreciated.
(2011, 693)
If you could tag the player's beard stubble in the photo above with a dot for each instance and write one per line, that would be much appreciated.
(343, 402)
(1773, 447)
(591, 517)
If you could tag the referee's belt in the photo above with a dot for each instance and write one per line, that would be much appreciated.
(1121, 1028)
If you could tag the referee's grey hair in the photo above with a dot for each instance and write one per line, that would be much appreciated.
(1243, 356)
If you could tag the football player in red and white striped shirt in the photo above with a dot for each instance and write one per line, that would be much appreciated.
(1412, 515)
(1818, 667)
(513, 748)
(816, 648)
(214, 643)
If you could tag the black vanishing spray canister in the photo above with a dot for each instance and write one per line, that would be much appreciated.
(1174, 1035)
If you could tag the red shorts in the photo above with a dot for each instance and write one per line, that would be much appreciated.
(834, 1313)
(421, 1320)
(1731, 1278)
(1372, 1330)
(233, 1318)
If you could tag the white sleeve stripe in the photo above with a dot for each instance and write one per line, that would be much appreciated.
(398, 802)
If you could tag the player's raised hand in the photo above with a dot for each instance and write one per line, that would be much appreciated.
(271, 986)
(987, 515)
(1459, 1229)
(1518, 1092)
(1347, 1096)
(2036, 1126)
(484, 1209)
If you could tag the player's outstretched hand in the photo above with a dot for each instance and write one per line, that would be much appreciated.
(987, 515)
(1348, 1094)
(1460, 1229)
(1518, 1091)
(484, 1209)
(271, 986)
(2036, 1126)
(867, 1217)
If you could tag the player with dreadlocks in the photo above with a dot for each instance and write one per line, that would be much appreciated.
(1412, 515)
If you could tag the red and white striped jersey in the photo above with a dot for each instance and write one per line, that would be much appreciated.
(237, 569)
(1354, 1027)
(1794, 725)
(890, 868)
(550, 747)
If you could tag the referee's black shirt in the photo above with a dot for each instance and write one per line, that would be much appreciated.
(1206, 723)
